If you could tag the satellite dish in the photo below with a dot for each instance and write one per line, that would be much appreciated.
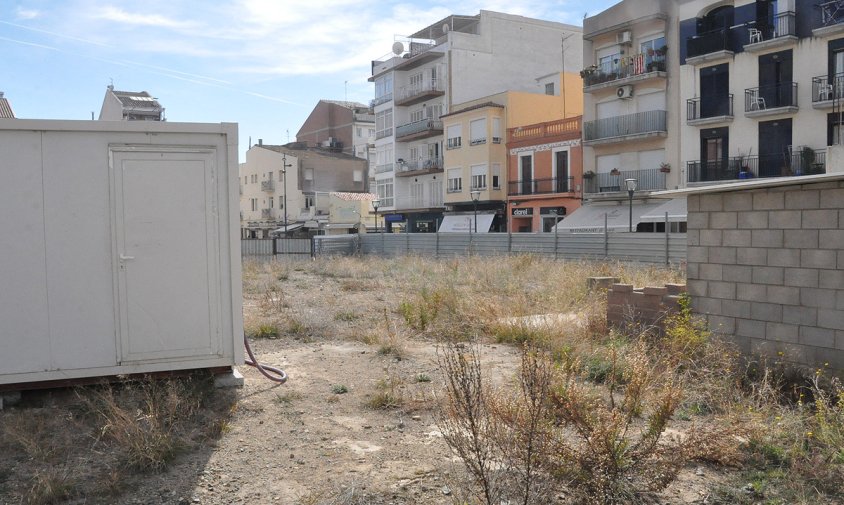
(398, 48)
(446, 28)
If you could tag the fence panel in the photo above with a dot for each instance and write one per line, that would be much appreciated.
(256, 247)
(335, 244)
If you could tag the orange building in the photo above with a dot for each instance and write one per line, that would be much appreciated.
(545, 174)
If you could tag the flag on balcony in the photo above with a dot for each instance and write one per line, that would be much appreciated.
(639, 64)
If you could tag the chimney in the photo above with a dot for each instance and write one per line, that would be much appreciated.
(260, 142)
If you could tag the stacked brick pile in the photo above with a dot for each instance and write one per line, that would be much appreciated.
(642, 307)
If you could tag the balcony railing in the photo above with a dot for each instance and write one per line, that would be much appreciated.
(826, 88)
(630, 66)
(830, 13)
(706, 43)
(772, 96)
(419, 129)
(411, 94)
(540, 130)
(783, 24)
(267, 185)
(386, 132)
(266, 213)
(541, 186)
(639, 123)
(381, 99)
(709, 106)
(609, 182)
(423, 166)
(802, 161)
(382, 169)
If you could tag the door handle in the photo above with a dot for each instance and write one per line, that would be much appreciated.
(126, 258)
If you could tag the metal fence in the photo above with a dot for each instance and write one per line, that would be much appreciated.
(271, 247)
(665, 248)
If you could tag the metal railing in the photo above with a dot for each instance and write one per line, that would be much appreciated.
(624, 67)
(783, 24)
(421, 164)
(628, 124)
(539, 130)
(425, 125)
(830, 12)
(706, 43)
(381, 99)
(386, 132)
(267, 185)
(827, 87)
(266, 213)
(781, 94)
(432, 86)
(612, 182)
(709, 106)
(802, 161)
(382, 169)
(541, 186)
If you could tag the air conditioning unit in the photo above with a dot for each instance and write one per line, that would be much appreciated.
(624, 37)
(624, 92)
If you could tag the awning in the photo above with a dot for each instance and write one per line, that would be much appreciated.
(290, 227)
(465, 223)
(676, 209)
(590, 218)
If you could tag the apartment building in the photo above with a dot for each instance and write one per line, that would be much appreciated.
(476, 152)
(631, 117)
(545, 175)
(453, 61)
(302, 176)
(130, 106)
(5, 108)
(347, 127)
(761, 83)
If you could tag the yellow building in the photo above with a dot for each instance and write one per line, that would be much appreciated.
(475, 155)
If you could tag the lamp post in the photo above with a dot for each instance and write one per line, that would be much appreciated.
(284, 166)
(375, 204)
(476, 195)
(631, 188)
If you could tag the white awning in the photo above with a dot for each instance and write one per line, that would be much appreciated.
(466, 223)
(590, 218)
(676, 209)
(290, 227)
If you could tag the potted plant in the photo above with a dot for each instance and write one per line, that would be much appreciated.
(615, 171)
(588, 71)
(588, 174)
(664, 167)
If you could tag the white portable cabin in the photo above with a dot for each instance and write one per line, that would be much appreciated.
(120, 248)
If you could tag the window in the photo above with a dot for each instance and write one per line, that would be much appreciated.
(384, 123)
(454, 136)
(245, 179)
(414, 154)
(272, 202)
(653, 51)
(269, 176)
(435, 189)
(371, 132)
(417, 115)
(496, 130)
(384, 88)
(496, 175)
(309, 174)
(280, 176)
(360, 131)
(477, 131)
(478, 177)
(415, 83)
(254, 204)
(309, 201)
(384, 189)
(455, 180)
(357, 175)
(549, 88)
(609, 64)
(417, 194)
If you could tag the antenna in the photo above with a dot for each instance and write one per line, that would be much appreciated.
(346, 90)
(288, 136)
(398, 48)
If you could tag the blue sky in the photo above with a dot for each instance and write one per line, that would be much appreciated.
(261, 63)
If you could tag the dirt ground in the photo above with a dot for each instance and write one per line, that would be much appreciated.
(318, 438)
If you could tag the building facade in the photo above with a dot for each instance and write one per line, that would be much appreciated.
(130, 106)
(453, 61)
(545, 175)
(304, 177)
(347, 127)
(6, 111)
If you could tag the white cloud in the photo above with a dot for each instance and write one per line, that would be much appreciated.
(134, 18)
(25, 14)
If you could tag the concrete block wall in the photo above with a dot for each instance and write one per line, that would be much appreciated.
(766, 267)
(642, 307)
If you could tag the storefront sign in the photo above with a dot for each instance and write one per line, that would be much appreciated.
(552, 211)
(523, 212)
(394, 218)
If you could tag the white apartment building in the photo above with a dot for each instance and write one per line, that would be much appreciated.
(453, 61)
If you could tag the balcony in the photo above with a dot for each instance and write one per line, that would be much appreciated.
(386, 132)
(266, 213)
(803, 161)
(625, 128)
(627, 70)
(268, 185)
(419, 167)
(379, 100)
(417, 93)
(827, 91)
(782, 31)
(383, 169)
(830, 18)
(708, 46)
(419, 130)
(709, 109)
(779, 98)
(613, 182)
(538, 131)
(541, 186)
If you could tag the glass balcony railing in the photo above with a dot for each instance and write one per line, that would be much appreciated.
(709, 106)
(419, 129)
(707, 43)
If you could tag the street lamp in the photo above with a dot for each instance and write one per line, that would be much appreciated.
(476, 195)
(631, 188)
(284, 166)
(375, 204)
